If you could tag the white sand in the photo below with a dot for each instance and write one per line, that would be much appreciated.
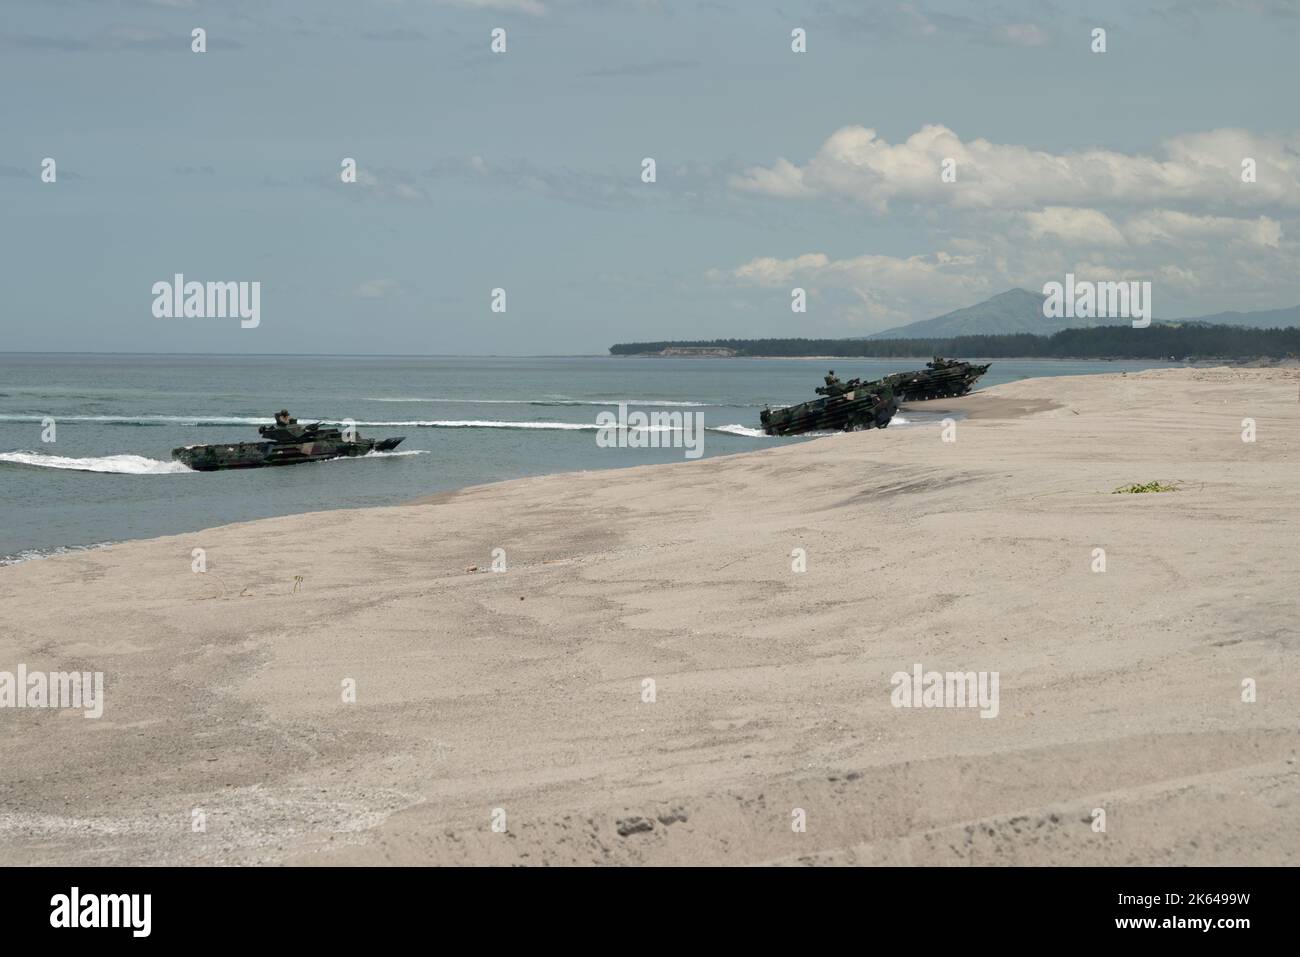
(523, 690)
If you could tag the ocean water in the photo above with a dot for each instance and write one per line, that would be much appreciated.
(108, 476)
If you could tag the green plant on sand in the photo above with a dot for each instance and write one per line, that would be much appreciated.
(1149, 487)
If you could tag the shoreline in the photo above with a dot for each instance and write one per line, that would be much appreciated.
(1212, 362)
(55, 551)
(39, 548)
(525, 691)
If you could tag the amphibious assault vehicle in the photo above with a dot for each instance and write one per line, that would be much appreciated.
(940, 379)
(870, 405)
(845, 407)
(284, 443)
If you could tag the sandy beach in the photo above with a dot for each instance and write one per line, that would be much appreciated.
(520, 698)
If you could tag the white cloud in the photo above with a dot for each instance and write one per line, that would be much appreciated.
(857, 165)
(391, 185)
(1193, 262)
(875, 289)
(1181, 218)
(783, 179)
(1170, 226)
(1074, 226)
(1022, 34)
(504, 6)
(768, 271)
(375, 288)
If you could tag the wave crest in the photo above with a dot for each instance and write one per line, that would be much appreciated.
(665, 403)
(745, 430)
(116, 464)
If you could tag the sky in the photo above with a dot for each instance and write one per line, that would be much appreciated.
(523, 170)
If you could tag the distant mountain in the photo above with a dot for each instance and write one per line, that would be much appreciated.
(1016, 310)
(1262, 319)
(1019, 310)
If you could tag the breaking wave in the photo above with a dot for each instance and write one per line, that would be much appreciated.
(117, 464)
(665, 403)
(379, 455)
(205, 421)
(744, 430)
(554, 426)
(147, 419)
(200, 420)
(30, 554)
(481, 424)
(512, 424)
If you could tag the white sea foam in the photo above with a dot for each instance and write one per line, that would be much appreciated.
(480, 424)
(733, 429)
(379, 455)
(307, 420)
(505, 424)
(118, 464)
(31, 554)
(744, 430)
(147, 419)
(593, 402)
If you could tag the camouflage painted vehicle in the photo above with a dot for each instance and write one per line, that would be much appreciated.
(939, 379)
(845, 407)
(285, 443)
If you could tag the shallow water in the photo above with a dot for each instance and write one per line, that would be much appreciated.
(109, 474)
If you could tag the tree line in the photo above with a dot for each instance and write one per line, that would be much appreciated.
(1099, 342)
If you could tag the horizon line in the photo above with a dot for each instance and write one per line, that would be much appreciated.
(316, 355)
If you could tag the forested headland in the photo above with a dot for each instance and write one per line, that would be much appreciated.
(1101, 342)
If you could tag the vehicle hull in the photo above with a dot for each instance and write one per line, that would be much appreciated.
(847, 412)
(941, 380)
(256, 455)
